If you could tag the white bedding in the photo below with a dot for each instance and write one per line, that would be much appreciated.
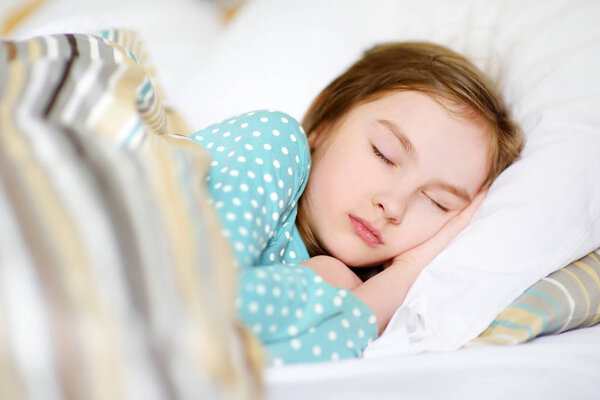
(565, 366)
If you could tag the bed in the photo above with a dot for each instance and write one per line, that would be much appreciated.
(488, 318)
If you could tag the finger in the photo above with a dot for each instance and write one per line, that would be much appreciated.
(427, 251)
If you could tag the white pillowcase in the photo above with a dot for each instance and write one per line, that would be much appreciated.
(542, 213)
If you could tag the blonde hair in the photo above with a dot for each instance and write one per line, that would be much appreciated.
(425, 67)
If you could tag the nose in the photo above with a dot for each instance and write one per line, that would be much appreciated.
(392, 206)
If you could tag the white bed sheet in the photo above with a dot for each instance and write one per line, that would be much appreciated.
(565, 366)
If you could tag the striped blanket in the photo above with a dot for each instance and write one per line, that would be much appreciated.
(114, 280)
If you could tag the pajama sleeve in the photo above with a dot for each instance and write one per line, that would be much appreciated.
(260, 166)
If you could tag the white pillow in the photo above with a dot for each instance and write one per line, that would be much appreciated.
(542, 213)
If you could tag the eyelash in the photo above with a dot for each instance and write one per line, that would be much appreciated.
(389, 162)
(438, 205)
(382, 157)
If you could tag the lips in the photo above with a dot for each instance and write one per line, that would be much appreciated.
(367, 232)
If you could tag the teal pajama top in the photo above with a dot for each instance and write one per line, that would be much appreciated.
(260, 165)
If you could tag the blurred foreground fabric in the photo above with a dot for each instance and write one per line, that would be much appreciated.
(115, 282)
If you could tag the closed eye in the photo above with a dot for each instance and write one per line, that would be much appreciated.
(382, 156)
(435, 203)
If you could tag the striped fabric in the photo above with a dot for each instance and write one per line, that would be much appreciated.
(115, 282)
(566, 299)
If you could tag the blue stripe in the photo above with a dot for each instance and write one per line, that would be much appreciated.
(514, 326)
(144, 91)
(132, 133)
(552, 302)
(535, 311)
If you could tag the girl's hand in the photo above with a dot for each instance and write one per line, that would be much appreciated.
(333, 271)
(422, 254)
(386, 291)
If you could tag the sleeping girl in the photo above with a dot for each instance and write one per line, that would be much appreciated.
(395, 156)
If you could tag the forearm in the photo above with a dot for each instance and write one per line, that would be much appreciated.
(385, 292)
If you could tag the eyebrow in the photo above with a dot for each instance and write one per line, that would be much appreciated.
(404, 141)
(410, 149)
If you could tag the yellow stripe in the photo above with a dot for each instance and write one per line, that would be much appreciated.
(585, 294)
(15, 17)
(503, 335)
(594, 274)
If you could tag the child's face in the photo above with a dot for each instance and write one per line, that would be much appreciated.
(389, 174)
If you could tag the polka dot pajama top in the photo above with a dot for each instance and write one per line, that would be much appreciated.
(260, 165)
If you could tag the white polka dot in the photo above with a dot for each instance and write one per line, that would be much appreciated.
(318, 308)
(268, 178)
(299, 313)
(220, 148)
(231, 153)
(215, 130)
(199, 137)
(260, 190)
(291, 295)
(337, 301)
(234, 172)
(372, 320)
(224, 169)
(361, 333)
(254, 203)
(342, 293)
(280, 183)
(276, 277)
(292, 254)
(214, 163)
(318, 279)
(350, 344)
(243, 231)
(259, 161)
(267, 229)
(281, 252)
(345, 323)
(319, 292)
(303, 296)
(264, 119)
(260, 289)
(272, 257)
(277, 291)
(248, 146)
(284, 120)
(297, 160)
(285, 311)
(269, 309)
(276, 132)
(332, 335)
(275, 216)
(231, 121)
(335, 357)
(312, 329)
(256, 133)
(356, 312)
(248, 216)
(316, 351)
(251, 113)
(284, 150)
(236, 201)
(230, 216)
(227, 134)
(253, 307)
(218, 185)
(261, 274)
(276, 164)
(264, 210)
(241, 159)
(290, 171)
(227, 188)
(273, 328)
(273, 196)
(257, 328)
(210, 145)
(295, 343)
(244, 125)
(244, 187)
(293, 137)
(238, 138)
(267, 146)
(293, 330)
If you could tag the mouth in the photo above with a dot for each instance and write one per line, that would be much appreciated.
(367, 232)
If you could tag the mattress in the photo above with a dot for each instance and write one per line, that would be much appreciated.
(564, 366)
